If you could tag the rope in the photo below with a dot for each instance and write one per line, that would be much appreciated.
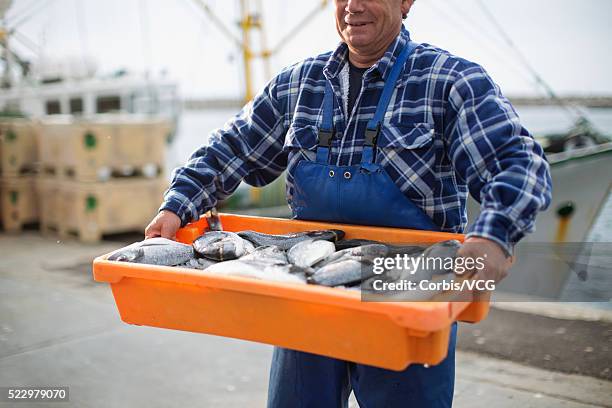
(574, 111)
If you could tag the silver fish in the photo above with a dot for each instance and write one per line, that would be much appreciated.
(285, 242)
(393, 249)
(435, 260)
(154, 251)
(412, 295)
(444, 248)
(260, 270)
(269, 253)
(342, 272)
(416, 267)
(198, 263)
(406, 249)
(352, 243)
(221, 246)
(368, 251)
(309, 252)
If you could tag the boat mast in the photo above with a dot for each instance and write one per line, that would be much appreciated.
(252, 20)
(248, 22)
(6, 55)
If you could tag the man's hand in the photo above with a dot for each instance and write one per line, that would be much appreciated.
(165, 224)
(496, 263)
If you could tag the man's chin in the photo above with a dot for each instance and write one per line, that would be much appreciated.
(359, 41)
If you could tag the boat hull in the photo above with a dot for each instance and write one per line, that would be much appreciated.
(581, 179)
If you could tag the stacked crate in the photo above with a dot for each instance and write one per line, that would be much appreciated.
(18, 165)
(100, 176)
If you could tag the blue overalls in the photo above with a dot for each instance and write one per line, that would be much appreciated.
(360, 194)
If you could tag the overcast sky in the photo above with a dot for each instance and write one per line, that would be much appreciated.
(566, 41)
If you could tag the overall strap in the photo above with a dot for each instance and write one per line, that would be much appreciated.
(326, 131)
(374, 125)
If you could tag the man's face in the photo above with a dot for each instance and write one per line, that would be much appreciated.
(367, 24)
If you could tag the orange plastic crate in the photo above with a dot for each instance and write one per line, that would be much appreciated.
(316, 319)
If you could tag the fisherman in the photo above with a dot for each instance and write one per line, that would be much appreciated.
(382, 131)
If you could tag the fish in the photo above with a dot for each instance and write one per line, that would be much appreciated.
(268, 253)
(307, 257)
(393, 249)
(368, 251)
(433, 262)
(260, 269)
(221, 246)
(406, 249)
(286, 241)
(154, 251)
(352, 243)
(444, 249)
(408, 295)
(197, 263)
(342, 272)
(309, 252)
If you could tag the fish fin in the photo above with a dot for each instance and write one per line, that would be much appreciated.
(338, 235)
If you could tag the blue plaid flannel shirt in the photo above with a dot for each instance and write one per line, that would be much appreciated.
(448, 131)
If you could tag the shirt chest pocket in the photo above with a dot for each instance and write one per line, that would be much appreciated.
(408, 154)
(406, 137)
(412, 143)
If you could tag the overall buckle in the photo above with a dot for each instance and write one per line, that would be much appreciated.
(325, 137)
(371, 136)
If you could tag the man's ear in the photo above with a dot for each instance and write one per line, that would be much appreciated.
(406, 5)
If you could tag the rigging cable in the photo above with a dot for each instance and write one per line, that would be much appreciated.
(145, 35)
(574, 111)
(32, 12)
(299, 26)
(35, 48)
(24, 10)
(477, 38)
(493, 45)
(82, 29)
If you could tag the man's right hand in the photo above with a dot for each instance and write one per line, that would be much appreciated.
(165, 224)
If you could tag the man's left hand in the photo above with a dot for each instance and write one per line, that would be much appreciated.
(496, 262)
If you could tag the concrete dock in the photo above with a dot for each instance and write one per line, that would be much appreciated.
(60, 328)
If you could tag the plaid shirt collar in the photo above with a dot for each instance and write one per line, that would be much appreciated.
(383, 66)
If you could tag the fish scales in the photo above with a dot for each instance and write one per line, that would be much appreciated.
(287, 241)
(154, 251)
(309, 252)
(342, 272)
(221, 246)
(260, 270)
(269, 252)
(369, 252)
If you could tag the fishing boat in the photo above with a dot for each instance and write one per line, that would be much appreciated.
(121, 92)
(46, 86)
(547, 258)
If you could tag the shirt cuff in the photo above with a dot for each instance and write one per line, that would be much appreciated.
(181, 206)
(497, 227)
